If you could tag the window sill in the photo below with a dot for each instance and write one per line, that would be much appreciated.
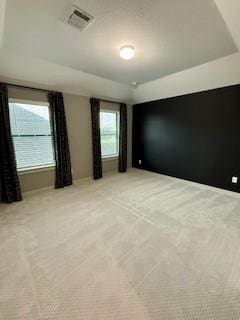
(110, 158)
(22, 172)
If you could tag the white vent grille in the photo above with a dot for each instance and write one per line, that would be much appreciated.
(78, 18)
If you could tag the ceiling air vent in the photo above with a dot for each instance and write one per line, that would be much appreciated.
(78, 18)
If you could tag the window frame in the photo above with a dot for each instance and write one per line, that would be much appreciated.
(37, 168)
(116, 155)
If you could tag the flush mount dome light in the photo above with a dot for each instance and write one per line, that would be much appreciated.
(127, 52)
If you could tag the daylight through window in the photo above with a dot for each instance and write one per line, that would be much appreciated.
(109, 126)
(32, 135)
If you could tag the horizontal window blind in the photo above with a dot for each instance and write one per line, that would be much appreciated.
(109, 133)
(31, 133)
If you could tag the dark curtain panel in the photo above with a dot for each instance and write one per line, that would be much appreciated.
(9, 183)
(61, 147)
(96, 139)
(122, 164)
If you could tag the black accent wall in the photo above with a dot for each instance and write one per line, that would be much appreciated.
(194, 137)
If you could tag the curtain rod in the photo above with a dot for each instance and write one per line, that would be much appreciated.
(45, 90)
(110, 101)
(25, 87)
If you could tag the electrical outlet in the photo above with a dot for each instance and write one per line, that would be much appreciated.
(234, 179)
(139, 161)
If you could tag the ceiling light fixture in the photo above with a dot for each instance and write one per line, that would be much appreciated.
(127, 52)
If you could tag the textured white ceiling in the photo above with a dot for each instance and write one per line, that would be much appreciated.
(15, 68)
(169, 35)
(215, 74)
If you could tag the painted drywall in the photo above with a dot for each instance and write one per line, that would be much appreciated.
(219, 73)
(78, 117)
(169, 36)
(2, 18)
(230, 12)
(15, 68)
(193, 137)
(37, 180)
(216, 74)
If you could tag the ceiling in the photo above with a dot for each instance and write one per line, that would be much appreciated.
(169, 36)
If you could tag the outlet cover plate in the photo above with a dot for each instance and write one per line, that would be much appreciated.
(234, 179)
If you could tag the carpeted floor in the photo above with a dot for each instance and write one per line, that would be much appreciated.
(131, 246)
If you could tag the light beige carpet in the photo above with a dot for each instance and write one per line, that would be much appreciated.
(130, 246)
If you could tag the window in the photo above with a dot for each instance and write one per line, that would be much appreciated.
(109, 127)
(32, 135)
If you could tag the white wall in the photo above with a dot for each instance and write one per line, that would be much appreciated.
(2, 16)
(30, 71)
(219, 73)
(229, 10)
